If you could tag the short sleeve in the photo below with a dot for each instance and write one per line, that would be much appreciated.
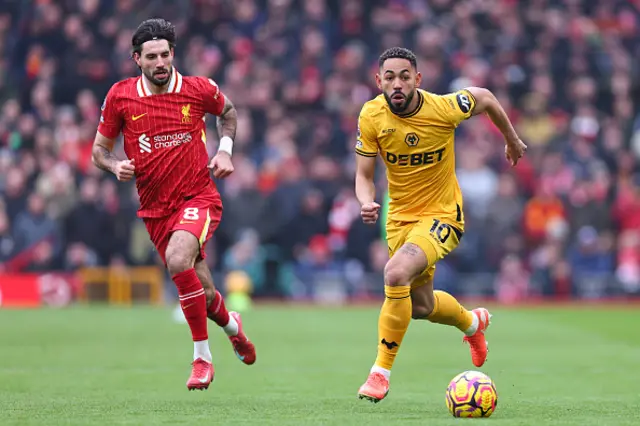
(213, 97)
(367, 141)
(458, 106)
(110, 118)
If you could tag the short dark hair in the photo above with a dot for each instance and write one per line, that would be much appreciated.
(398, 52)
(153, 29)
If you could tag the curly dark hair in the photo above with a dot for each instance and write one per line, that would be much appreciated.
(153, 29)
(398, 52)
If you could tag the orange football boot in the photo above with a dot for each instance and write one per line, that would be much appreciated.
(477, 343)
(375, 388)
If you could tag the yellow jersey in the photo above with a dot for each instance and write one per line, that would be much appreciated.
(418, 151)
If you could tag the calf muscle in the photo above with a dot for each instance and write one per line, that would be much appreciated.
(204, 275)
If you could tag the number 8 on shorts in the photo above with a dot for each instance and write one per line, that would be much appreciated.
(191, 213)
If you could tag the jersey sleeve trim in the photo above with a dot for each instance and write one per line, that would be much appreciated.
(110, 124)
(365, 153)
(108, 131)
(212, 97)
(366, 137)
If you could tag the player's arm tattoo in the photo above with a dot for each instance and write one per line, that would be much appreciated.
(102, 155)
(227, 121)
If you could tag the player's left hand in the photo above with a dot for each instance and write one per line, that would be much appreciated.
(221, 165)
(514, 150)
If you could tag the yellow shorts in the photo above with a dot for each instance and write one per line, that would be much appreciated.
(436, 239)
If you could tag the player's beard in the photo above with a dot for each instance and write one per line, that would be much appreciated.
(159, 81)
(403, 106)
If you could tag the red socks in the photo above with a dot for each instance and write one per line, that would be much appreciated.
(193, 303)
(217, 311)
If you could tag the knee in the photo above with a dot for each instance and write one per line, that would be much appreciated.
(177, 260)
(421, 310)
(396, 276)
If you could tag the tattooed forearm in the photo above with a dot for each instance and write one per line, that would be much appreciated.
(103, 158)
(410, 249)
(227, 121)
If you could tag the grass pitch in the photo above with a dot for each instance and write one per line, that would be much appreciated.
(109, 366)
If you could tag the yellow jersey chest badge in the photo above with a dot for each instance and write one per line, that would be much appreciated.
(411, 139)
(186, 114)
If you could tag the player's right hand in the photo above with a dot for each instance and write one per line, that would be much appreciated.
(124, 170)
(370, 212)
(513, 151)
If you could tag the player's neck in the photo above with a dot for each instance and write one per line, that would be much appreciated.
(155, 89)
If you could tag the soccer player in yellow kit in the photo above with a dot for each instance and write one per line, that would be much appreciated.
(413, 131)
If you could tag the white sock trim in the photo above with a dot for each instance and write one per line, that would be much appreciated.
(474, 325)
(231, 329)
(201, 350)
(376, 369)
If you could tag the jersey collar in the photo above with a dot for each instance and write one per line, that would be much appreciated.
(415, 111)
(175, 84)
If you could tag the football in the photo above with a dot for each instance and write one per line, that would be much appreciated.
(471, 394)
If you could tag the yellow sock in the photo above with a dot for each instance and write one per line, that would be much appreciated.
(447, 310)
(395, 316)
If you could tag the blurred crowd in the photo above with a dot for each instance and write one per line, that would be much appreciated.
(565, 222)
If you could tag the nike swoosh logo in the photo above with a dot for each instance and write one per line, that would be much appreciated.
(240, 357)
(137, 117)
(188, 306)
(205, 379)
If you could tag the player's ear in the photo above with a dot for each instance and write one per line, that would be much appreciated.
(418, 79)
(136, 57)
(378, 81)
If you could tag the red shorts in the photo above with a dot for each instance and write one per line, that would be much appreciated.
(199, 216)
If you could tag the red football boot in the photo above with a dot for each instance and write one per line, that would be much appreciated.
(244, 349)
(201, 375)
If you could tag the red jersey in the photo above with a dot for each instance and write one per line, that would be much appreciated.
(165, 135)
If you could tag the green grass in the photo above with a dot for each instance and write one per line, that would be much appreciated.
(107, 366)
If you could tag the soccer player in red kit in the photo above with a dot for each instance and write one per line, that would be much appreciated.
(161, 116)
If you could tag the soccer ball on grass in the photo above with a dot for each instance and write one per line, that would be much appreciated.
(471, 394)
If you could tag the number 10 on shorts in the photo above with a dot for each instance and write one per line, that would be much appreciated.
(440, 231)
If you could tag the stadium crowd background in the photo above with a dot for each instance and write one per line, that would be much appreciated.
(564, 223)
